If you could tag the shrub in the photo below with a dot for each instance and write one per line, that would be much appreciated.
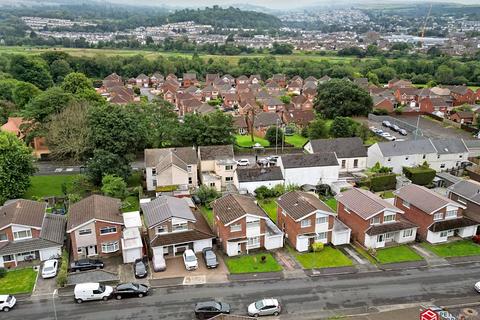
(381, 182)
(263, 259)
(380, 112)
(207, 194)
(476, 239)
(419, 175)
(62, 273)
(264, 192)
(3, 272)
(317, 246)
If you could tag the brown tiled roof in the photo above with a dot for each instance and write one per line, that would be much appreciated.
(452, 224)
(233, 206)
(215, 152)
(94, 207)
(186, 154)
(390, 227)
(22, 212)
(299, 204)
(424, 199)
(239, 122)
(300, 117)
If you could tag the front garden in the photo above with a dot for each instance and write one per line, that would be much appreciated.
(252, 263)
(459, 248)
(18, 281)
(402, 253)
(328, 257)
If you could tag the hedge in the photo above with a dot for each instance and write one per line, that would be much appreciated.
(420, 175)
(383, 182)
(63, 271)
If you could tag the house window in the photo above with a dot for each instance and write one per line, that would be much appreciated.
(161, 229)
(25, 234)
(109, 247)
(8, 258)
(235, 228)
(460, 156)
(84, 232)
(438, 216)
(406, 204)
(344, 164)
(228, 179)
(80, 250)
(407, 233)
(190, 180)
(443, 234)
(212, 184)
(108, 230)
(228, 168)
(154, 171)
(380, 238)
(321, 236)
(154, 182)
(305, 223)
(462, 200)
(3, 237)
(375, 220)
(254, 241)
(180, 226)
(189, 169)
(451, 214)
(389, 218)
(321, 220)
(438, 156)
(355, 163)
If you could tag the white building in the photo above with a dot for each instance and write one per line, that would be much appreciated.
(248, 179)
(311, 169)
(132, 245)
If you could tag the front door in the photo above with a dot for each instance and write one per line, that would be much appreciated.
(91, 251)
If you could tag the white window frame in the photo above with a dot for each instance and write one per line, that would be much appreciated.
(103, 233)
(28, 233)
(462, 200)
(451, 214)
(7, 255)
(406, 204)
(407, 233)
(321, 236)
(324, 219)
(228, 167)
(305, 223)
(178, 227)
(253, 241)
(236, 227)
(444, 234)
(391, 218)
(374, 219)
(189, 168)
(438, 216)
(110, 247)
(157, 230)
(355, 163)
(344, 164)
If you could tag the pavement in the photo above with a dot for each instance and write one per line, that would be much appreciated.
(360, 294)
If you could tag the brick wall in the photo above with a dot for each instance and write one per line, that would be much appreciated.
(354, 222)
(472, 211)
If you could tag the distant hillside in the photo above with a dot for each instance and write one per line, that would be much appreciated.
(227, 18)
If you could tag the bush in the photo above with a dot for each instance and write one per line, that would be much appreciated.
(380, 112)
(3, 272)
(317, 246)
(264, 192)
(420, 175)
(263, 259)
(382, 182)
(476, 239)
(62, 273)
(207, 194)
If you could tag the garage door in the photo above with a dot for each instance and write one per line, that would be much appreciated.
(339, 238)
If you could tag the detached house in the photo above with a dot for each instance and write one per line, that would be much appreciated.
(467, 193)
(27, 231)
(95, 227)
(174, 227)
(217, 166)
(311, 169)
(305, 219)
(437, 217)
(241, 225)
(249, 179)
(375, 222)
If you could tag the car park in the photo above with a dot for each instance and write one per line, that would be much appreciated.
(243, 162)
(273, 159)
(264, 307)
(50, 269)
(395, 128)
(130, 290)
(403, 132)
(386, 123)
(7, 302)
(140, 267)
(391, 138)
(210, 258)
(158, 262)
(209, 309)
(263, 162)
(86, 264)
(190, 260)
(92, 291)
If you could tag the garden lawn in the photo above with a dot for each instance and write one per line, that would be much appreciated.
(454, 249)
(246, 141)
(18, 281)
(208, 214)
(296, 140)
(131, 203)
(332, 203)
(47, 186)
(270, 207)
(252, 264)
(397, 254)
(327, 258)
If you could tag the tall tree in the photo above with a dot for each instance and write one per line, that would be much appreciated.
(47, 103)
(343, 127)
(24, 92)
(76, 82)
(107, 163)
(30, 69)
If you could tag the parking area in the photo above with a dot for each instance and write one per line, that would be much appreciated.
(44, 286)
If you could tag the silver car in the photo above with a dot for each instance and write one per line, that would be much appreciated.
(264, 307)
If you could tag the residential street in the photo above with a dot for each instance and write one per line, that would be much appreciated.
(306, 298)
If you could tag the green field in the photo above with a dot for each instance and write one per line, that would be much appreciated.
(46, 186)
(245, 141)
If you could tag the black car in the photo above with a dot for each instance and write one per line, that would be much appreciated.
(86, 264)
(141, 268)
(210, 258)
(209, 309)
(130, 290)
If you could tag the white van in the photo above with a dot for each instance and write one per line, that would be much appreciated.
(7, 302)
(92, 291)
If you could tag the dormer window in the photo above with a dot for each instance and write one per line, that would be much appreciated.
(25, 234)
(438, 216)
(451, 214)
(389, 218)
(161, 229)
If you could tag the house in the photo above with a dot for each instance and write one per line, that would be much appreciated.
(311, 169)
(323, 79)
(280, 79)
(462, 95)
(241, 225)
(246, 105)
(249, 179)
(265, 120)
(305, 219)
(95, 227)
(299, 118)
(302, 103)
(173, 226)
(436, 216)
(255, 79)
(240, 124)
(168, 167)
(131, 241)
(374, 221)
(473, 147)
(350, 152)
(463, 117)
(142, 80)
(27, 231)
(210, 78)
(382, 103)
(406, 96)
(294, 87)
(217, 166)
(440, 154)
(242, 80)
(189, 79)
(157, 79)
(16, 125)
(467, 193)
(396, 83)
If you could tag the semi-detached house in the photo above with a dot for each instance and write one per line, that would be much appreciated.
(311, 169)
(467, 192)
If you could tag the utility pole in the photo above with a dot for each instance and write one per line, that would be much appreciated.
(276, 139)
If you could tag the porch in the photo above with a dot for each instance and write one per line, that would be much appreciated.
(390, 234)
(447, 230)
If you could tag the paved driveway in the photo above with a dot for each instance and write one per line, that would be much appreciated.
(44, 286)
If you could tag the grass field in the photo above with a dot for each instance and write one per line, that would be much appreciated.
(18, 281)
(208, 214)
(327, 258)
(45, 186)
(454, 249)
(270, 207)
(397, 254)
(252, 264)
(296, 140)
(246, 141)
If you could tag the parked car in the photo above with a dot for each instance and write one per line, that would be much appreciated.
(7, 302)
(477, 286)
(141, 268)
(263, 162)
(209, 309)
(158, 262)
(395, 128)
(386, 123)
(403, 132)
(210, 258)
(273, 159)
(385, 134)
(391, 138)
(264, 307)
(196, 199)
(50, 269)
(86, 264)
(130, 290)
(92, 291)
(190, 260)
(243, 162)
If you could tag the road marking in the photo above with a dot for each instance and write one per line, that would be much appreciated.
(354, 256)
(193, 280)
(59, 170)
(69, 169)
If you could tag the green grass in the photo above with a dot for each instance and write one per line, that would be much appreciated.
(327, 258)
(246, 141)
(252, 264)
(18, 281)
(365, 254)
(208, 214)
(131, 203)
(270, 207)
(332, 203)
(397, 254)
(387, 194)
(46, 186)
(454, 249)
(296, 140)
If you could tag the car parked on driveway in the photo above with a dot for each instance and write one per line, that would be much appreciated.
(243, 162)
(50, 269)
(264, 307)
(190, 260)
(210, 258)
(92, 291)
(130, 290)
(86, 264)
(158, 262)
(7, 302)
(140, 268)
(209, 309)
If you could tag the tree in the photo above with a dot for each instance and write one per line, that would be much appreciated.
(16, 167)
(59, 69)
(274, 135)
(207, 194)
(47, 103)
(23, 93)
(203, 130)
(76, 82)
(67, 133)
(317, 129)
(343, 127)
(342, 98)
(161, 124)
(286, 99)
(30, 69)
(114, 186)
(106, 163)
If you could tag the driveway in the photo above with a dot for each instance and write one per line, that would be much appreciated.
(44, 286)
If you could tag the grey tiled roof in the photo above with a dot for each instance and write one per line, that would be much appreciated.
(364, 203)
(449, 146)
(215, 152)
(343, 147)
(401, 148)
(467, 189)
(298, 204)
(309, 160)
(153, 156)
(259, 174)
(53, 228)
(233, 206)
(166, 207)
(27, 245)
(472, 144)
